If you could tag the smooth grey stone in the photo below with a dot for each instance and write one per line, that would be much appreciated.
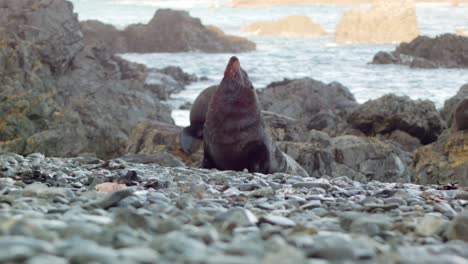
(459, 227)
(445, 209)
(47, 259)
(180, 248)
(277, 220)
(110, 199)
(311, 205)
(79, 250)
(236, 217)
(20, 248)
(332, 247)
(139, 255)
(430, 225)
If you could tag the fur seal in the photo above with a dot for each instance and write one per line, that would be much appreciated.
(197, 120)
(461, 115)
(234, 132)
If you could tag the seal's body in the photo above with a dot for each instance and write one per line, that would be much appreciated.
(197, 120)
(234, 131)
(461, 115)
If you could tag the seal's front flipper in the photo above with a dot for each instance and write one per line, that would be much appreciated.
(186, 140)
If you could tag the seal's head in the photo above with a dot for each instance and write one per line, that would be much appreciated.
(234, 76)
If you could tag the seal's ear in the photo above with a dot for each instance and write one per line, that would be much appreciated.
(186, 140)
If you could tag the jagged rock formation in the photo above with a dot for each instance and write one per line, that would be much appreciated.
(447, 51)
(451, 104)
(315, 104)
(294, 25)
(60, 97)
(444, 161)
(167, 31)
(385, 22)
(389, 113)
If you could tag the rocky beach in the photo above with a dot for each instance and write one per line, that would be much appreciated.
(91, 168)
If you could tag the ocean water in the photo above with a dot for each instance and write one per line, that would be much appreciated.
(277, 58)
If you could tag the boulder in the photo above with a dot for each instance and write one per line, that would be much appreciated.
(402, 140)
(447, 51)
(284, 128)
(389, 113)
(97, 33)
(167, 31)
(294, 25)
(60, 97)
(458, 229)
(444, 161)
(359, 158)
(385, 22)
(48, 25)
(161, 139)
(315, 104)
(461, 115)
(450, 105)
(314, 155)
(179, 75)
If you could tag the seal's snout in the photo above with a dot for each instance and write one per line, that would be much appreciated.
(232, 68)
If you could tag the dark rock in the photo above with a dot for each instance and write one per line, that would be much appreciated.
(316, 105)
(461, 115)
(179, 75)
(389, 113)
(402, 140)
(60, 97)
(160, 140)
(450, 104)
(50, 26)
(383, 57)
(361, 159)
(447, 50)
(365, 159)
(186, 106)
(99, 34)
(167, 31)
(162, 84)
(443, 162)
(284, 128)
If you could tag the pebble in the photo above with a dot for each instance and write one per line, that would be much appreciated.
(277, 220)
(190, 215)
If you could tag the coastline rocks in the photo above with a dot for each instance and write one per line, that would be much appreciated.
(60, 97)
(461, 115)
(389, 113)
(360, 159)
(445, 161)
(192, 215)
(451, 104)
(315, 104)
(447, 51)
(167, 31)
(179, 75)
(160, 140)
(458, 229)
(99, 34)
(49, 26)
(385, 22)
(294, 25)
